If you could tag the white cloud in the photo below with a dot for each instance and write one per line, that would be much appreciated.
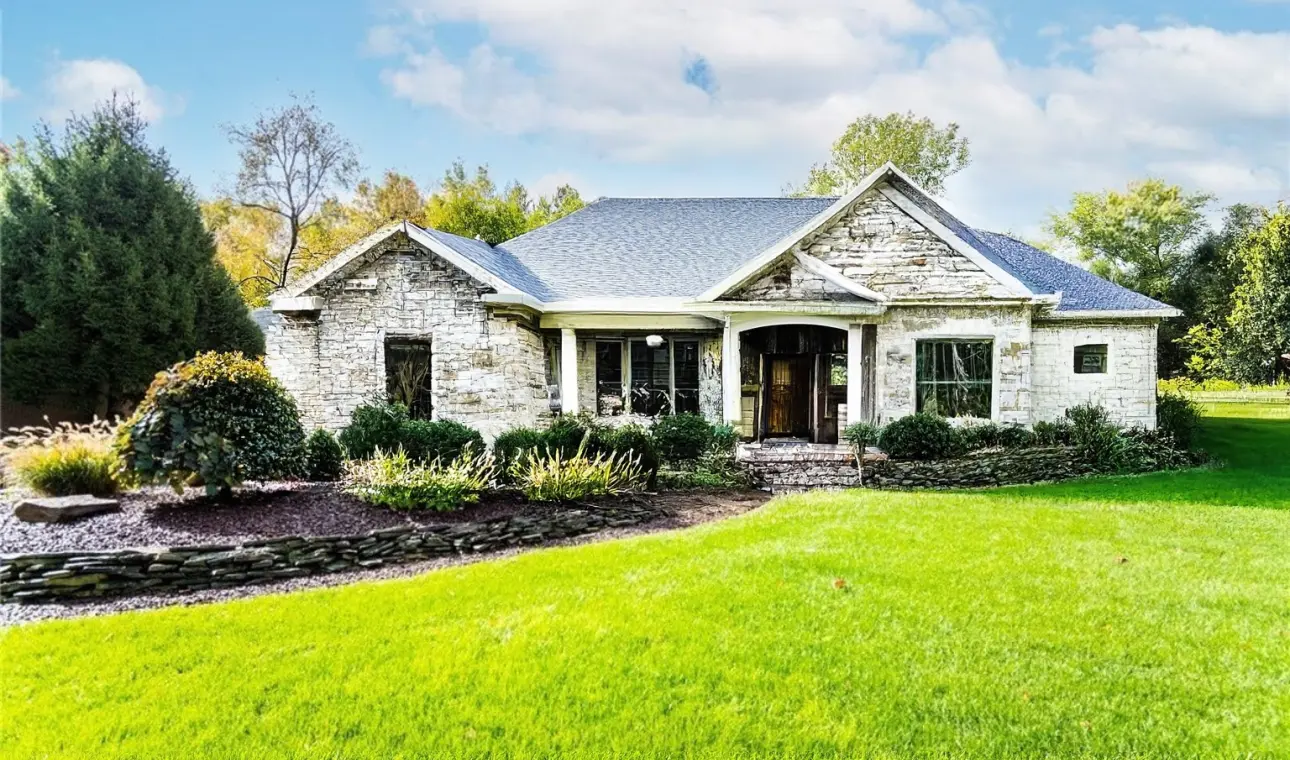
(7, 90)
(78, 85)
(1194, 104)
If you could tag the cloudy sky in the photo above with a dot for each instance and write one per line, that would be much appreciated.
(694, 97)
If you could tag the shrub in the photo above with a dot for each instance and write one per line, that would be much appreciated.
(681, 437)
(629, 440)
(568, 432)
(1015, 437)
(704, 477)
(553, 477)
(324, 458)
(1102, 444)
(67, 468)
(980, 434)
(1179, 417)
(427, 441)
(725, 438)
(516, 445)
(218, 418)
(373, 426)
(397, 481)
(921, 436)
(1055, 433)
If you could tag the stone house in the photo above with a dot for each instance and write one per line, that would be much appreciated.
(786, 317)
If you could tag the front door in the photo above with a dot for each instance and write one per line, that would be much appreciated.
(790, 396)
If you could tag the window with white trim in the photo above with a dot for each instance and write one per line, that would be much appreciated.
(1090, 359)
(955, 378)
(662, 379)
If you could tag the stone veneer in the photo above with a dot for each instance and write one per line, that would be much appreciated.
(57, 576)
(488, 372)
(1128, 388)
(792, 470)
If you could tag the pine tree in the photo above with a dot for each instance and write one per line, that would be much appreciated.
(109, 275)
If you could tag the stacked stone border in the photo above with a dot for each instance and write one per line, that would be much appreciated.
(801, 469)
(60, 576)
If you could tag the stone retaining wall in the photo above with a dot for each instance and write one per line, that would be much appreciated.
(791, 470)
(57, 576)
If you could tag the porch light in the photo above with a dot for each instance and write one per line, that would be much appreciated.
(653, 341)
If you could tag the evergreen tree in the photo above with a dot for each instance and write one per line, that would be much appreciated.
(109, 275)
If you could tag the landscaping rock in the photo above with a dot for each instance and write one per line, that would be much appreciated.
(63, 508)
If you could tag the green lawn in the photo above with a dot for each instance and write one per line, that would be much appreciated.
(1121, 617)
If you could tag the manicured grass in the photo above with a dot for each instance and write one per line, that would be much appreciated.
(1121, 617)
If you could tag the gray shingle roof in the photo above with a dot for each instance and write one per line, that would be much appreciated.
(631, 247)
(680, 247)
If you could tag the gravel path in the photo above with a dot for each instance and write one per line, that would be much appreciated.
(683, 510)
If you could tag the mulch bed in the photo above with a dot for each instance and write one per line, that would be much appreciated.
(158, 517)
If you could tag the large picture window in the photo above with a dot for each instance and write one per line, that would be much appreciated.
(954, 378)
(662, 379)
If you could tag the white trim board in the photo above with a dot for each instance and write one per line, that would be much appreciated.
(834, 275)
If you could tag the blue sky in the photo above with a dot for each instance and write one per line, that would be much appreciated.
(736, 97)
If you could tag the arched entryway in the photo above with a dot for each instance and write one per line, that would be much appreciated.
(793, 382)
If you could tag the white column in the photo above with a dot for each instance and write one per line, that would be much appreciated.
(855, 374)
(731, 387)
(568, 371)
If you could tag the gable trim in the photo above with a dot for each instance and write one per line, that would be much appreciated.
(834, 275)
(754, 266)
(955, 242)
(416, 235)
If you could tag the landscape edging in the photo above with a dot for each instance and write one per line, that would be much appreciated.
(57, 576)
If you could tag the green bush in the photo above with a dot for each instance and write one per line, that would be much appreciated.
(373, 426)
(568, 432)
(426, 441)
(1055, 433)
(66, 468)
(1179, 417)
(921, 436)
(218, 418)
(387, 427)
(861, 435)
(982, 434)
(553, 477)
(397, 481)
(724, 438)
(1015, 437)
(1103, 445)
(324, 458)
(682, 437)
(628, 440)
(516, 444)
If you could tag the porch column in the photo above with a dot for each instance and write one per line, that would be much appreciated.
(568, 371)
(855, 373)
(731, 387)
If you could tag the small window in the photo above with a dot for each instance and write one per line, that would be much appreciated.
(955, 377)
(407, 376)
(685, 358)
(609, 378)
(1090, 359)
(651, 379)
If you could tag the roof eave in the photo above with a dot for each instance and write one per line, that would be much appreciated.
(1167, 312)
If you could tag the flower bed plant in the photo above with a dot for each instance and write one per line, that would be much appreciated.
(555, 477)
(63, 459)
(398, 481)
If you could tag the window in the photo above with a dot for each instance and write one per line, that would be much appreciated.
(609, 378)
(1090, 359)
(954, 377)
(685, 358)
(407, 376)
(663, 379)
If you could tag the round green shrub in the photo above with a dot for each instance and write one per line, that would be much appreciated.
(373, 426)
(218, 418)
(445, 440)
(1055, 433)
(516, 444)
(1014, 437)
(1179, 417)
(630, 440)
(980, 435)
(921, 436)
(324, 458)
(682, 437)
(725, 438)
(567, 432)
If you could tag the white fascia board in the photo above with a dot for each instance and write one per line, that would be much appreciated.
(783, 245)
(954, 241)
(835, 276)
(296, 303)
(789, 307)
(343, 259)
(456, 259)
(610, 305)
(514, 299)
(1165, 313)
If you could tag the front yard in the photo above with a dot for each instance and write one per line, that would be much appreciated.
(1141, 616)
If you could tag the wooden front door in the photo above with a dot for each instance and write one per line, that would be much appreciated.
(789, 404)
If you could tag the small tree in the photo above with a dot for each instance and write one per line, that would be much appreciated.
(860, 435)
(291, 160)
(927, 153)
(108, 271)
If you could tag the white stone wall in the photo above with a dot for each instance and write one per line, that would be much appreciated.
(1127, 390)
(487, 372)
(882, 247)
(902, 327)
(790, 281)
